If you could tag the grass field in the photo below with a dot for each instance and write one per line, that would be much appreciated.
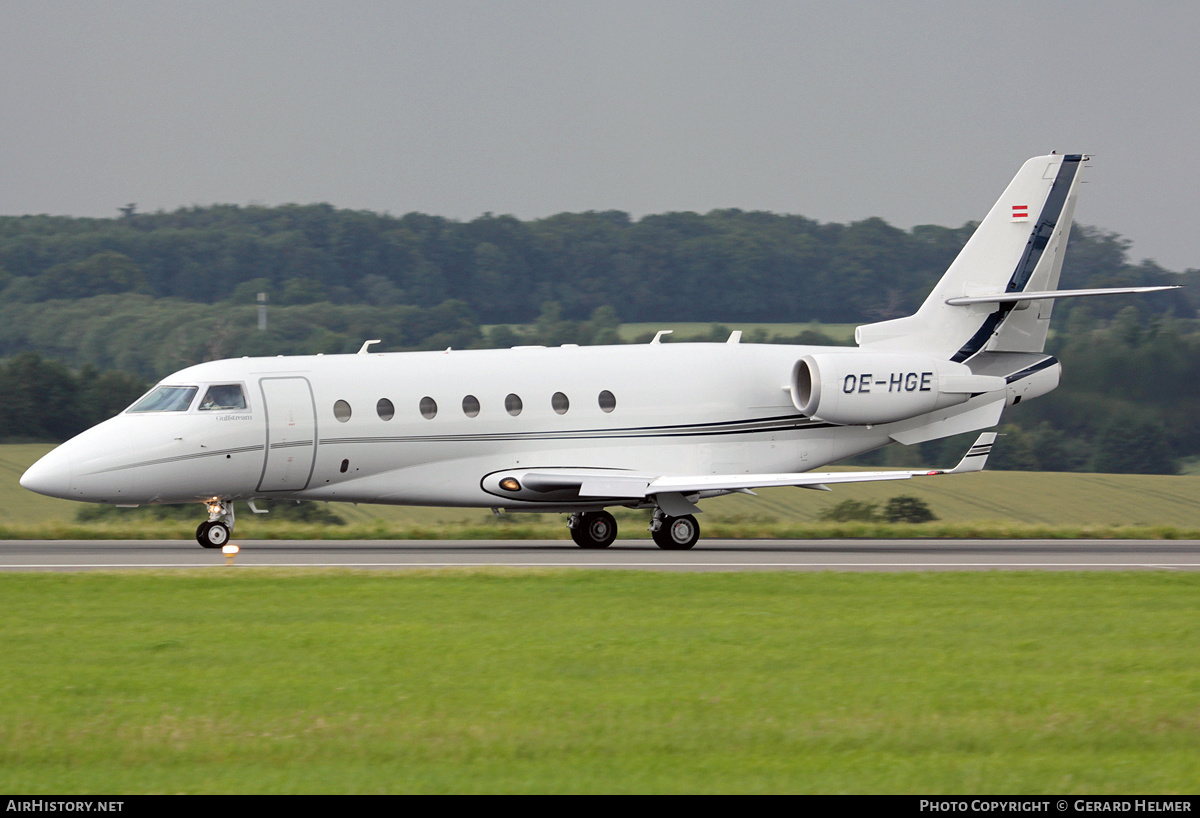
(988, 504)
(991, 503)
(266, 681)
(259, 681)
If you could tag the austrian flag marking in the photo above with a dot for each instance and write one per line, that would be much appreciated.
(1020, 212)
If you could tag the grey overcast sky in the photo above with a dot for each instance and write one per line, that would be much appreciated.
(917, 112)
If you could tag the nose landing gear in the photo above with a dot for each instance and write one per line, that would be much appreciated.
(214, 532)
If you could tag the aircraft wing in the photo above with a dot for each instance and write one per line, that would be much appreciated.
(671, 492)
(973, 460)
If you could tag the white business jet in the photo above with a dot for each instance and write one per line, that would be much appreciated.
(577, 429)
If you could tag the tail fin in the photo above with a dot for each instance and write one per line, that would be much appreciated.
(1017, 248)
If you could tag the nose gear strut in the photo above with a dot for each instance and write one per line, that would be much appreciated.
(214, 532)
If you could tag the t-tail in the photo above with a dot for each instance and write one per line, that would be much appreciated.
(976, 345)
(998, 293)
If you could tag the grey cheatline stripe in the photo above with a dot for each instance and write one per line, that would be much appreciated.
(762, 426)
(1038, 238)
(182, 457)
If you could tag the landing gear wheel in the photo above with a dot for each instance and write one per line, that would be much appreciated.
(596, 529)
(212, 534)
(677, 533)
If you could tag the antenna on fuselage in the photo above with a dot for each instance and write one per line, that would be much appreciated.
(660, 334)
(362, 350)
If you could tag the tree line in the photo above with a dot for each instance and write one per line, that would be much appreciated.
(42, 399)
(726, 265)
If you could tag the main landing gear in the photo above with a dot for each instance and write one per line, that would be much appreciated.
(598, 529)
(674, 533)
(214, 532)
(593, 529)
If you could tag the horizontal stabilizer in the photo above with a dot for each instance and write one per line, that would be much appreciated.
(1009, 298)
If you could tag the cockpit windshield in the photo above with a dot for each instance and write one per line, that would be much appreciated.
(166, 399)
(224, 396)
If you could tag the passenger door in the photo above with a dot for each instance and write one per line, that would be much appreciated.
(291, 434)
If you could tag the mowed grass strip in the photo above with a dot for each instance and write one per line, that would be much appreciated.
(992, 504)
(265, 681)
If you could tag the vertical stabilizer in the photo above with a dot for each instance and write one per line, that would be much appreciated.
(1018, 247)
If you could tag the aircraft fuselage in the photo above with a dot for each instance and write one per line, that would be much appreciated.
(352, 427)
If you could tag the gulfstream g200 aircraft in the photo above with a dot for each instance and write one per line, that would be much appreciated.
(575, 430)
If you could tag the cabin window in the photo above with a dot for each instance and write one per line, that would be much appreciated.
(428, 408)
(470, 406)
(224, 396)
(341, 411)
(608, 401)
(560, 403)
(166, 399)
(386, 409)
(513, 405)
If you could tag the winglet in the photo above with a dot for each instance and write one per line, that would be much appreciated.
(976, 456)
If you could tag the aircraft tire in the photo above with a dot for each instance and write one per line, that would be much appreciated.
(677, 533)
(596, 529)
(212, 534)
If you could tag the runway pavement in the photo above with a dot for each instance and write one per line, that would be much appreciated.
(709, 555)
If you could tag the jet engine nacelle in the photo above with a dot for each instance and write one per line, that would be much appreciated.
(856, 388)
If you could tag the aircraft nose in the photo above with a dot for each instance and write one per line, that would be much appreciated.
(50, 476)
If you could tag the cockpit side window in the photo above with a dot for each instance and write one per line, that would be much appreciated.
(166, 399)
(223, 396)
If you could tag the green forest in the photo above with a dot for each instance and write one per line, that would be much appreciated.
(94, 310)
